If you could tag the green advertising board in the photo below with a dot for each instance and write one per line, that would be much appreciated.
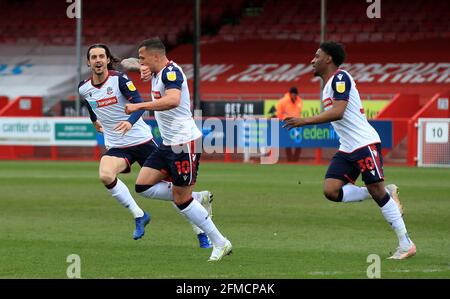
(74, 131)
(312, 107)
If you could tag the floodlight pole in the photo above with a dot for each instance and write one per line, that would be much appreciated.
(197, 33)
(78, 55)
(323, 20)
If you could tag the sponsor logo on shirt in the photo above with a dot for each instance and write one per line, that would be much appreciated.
(106, 102)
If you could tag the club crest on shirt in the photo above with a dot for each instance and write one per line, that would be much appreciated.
(171, 76)
(131, 86)
(109, 90)
(340, 86)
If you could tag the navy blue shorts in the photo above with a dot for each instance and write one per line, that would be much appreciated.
(138, 153)
(366, 161)
(180, 165)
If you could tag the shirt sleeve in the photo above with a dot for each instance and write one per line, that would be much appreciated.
(130, 92)
(341, 85)
(172, 77)
(92, 115)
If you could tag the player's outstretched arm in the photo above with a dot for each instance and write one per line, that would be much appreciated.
(333, 114)
(169, 101)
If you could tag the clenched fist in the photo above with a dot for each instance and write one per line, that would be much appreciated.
(130, 108)
(146, 74)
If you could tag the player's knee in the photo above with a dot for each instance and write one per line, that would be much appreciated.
(142, 188)
(107, 177)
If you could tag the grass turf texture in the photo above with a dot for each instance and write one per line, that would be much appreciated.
(275, 215)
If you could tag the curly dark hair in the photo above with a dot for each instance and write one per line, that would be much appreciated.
(335, 50)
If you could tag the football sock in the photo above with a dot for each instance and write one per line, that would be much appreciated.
(198, 215)
(391, 213)
(162, 190)
(352, 193)
(196, 229)
(120, 192)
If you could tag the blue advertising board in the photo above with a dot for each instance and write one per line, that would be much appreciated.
(324, 135)
(255, 133)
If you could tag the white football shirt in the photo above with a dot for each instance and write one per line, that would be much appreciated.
(107, 102)
(353, 129)
(175, 125)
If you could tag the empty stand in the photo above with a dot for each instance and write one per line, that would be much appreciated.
(45, 21)
(346, 22)
(114, 21)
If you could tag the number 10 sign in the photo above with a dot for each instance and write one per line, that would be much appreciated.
(436, 132)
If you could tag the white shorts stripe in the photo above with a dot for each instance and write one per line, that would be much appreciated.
(190, 162)
(375, 162)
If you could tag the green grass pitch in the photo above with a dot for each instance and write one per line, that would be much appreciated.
(275, 215)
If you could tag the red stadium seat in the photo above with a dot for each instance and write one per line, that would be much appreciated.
(362, 37)
(348, 38)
